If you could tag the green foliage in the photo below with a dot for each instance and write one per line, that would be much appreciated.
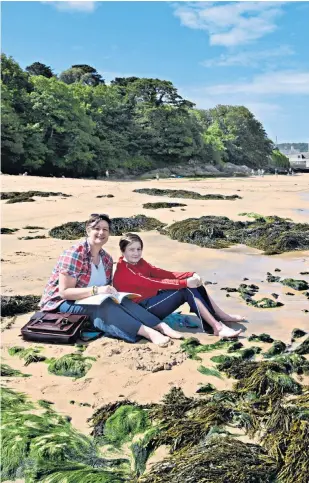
(279, 160)
(70, 365)
(78, 126)
(37, 68)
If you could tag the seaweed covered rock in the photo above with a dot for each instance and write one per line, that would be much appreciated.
(18, 304)
(73, 230)
(218, 459)
(26, 196)
(272, 278)
(278, 347)
(106, 196)
(272, 234)
(184, 194)
(70, 365)
(193, 347)
(260, 338)
(162, 204)
(303, 348)
(7, 231)
(295, 284)
(298, 333)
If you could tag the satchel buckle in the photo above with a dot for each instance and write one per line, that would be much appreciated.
(65, 321)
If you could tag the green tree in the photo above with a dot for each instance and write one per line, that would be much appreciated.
(62, 125)
(250, 145)
(85, 74)
(40, 69)
(279, 160)
(12, 134)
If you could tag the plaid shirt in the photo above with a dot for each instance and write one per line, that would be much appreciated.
(74, 262)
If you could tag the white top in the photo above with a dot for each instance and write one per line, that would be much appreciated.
(98, 275)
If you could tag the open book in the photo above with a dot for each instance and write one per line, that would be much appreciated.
(98, 299)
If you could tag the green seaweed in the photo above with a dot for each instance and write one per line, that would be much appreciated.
(260, 338)
(70, 365)
(37, 237)
(7, 231)
(193, 347)
(303, 348)
(206, 389)
(297, 334)
(25, 196)
(184, 194)
(278, 347)
(272, 278)
(30, 355)
(162, 204)
(126, 422)
(7, 371)
(235, 346)
(275, 235)
(209, 371)
(33, 227)
(295, 284)
(46, 447)
(18, 304)
(217, 459)
(74, 230)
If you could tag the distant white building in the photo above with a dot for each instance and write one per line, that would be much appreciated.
(299, 160)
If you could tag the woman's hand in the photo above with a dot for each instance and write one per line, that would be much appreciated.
(107, 289)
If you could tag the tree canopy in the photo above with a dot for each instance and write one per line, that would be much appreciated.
(76, 125)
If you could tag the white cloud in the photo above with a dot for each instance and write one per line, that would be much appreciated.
(82, 6)
(272, 83)
(249, 58)
(232, 23)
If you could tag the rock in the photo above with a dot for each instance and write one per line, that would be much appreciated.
(304, 273)
(277, 270)
(275, 295)
(290, 293)
(298, 333)
(272, 278)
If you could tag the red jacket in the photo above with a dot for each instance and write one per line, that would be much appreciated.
(147, 280)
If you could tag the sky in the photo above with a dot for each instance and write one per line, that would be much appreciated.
(239, 53)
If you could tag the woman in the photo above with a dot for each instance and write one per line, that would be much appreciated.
(85, 269)
(163, 291)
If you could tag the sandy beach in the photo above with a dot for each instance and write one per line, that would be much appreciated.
(124, 370)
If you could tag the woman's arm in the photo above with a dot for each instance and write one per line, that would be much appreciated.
(69, 291)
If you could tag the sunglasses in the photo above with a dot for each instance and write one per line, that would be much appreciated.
(99, 215)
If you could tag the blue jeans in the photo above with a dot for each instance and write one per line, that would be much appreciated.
(166, 301)
(122, 321)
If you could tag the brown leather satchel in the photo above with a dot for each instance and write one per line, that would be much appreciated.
(54, 327)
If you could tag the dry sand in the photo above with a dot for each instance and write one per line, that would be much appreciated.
(124, 370)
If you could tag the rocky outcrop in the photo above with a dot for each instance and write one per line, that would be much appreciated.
(196, 168)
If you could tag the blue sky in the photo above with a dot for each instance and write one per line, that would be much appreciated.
(250, 53)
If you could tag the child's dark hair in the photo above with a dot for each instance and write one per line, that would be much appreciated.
(129, 238)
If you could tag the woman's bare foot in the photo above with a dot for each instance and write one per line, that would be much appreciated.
(226, 332)
(233, 318)
(167, 330)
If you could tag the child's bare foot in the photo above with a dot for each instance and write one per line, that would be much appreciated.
(167, 330)
(226, 332)
(160, 339)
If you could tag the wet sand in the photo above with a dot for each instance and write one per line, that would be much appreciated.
(118, 371)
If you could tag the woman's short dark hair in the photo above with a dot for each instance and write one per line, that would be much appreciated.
(95, 218)
(129, 238)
